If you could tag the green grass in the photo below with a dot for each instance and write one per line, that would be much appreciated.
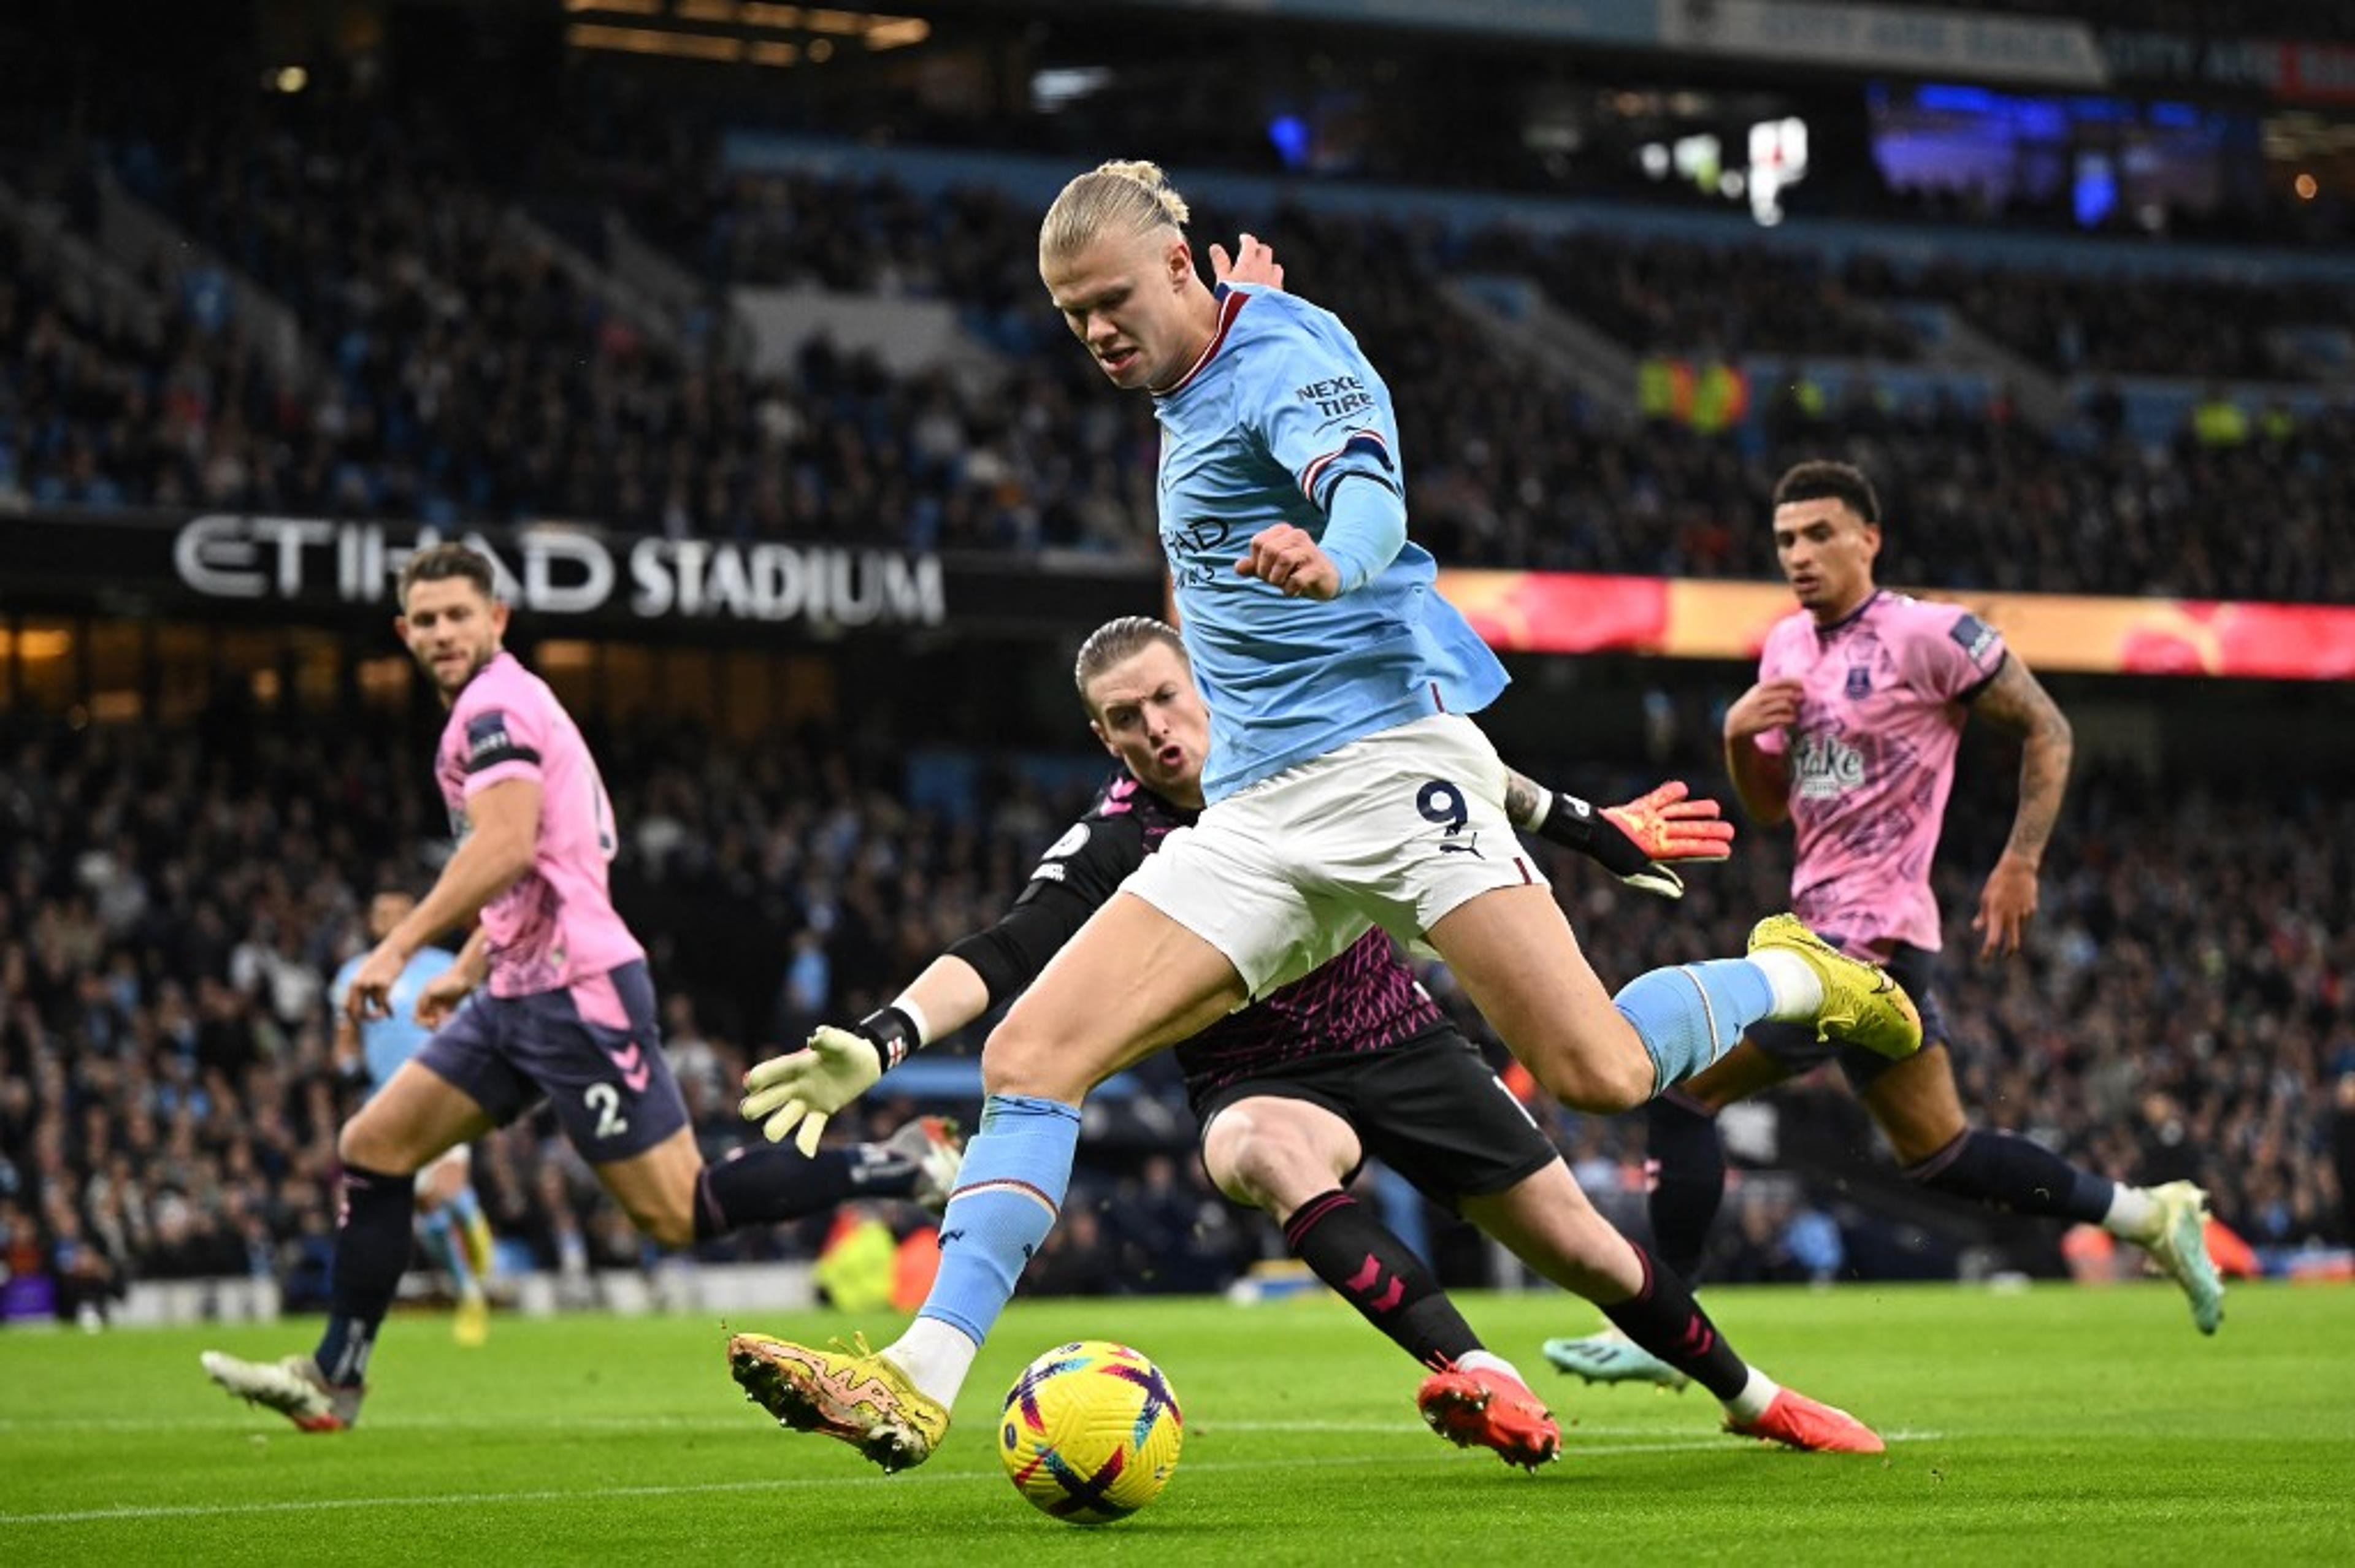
(2057, 1425)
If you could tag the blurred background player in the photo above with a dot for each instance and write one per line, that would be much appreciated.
(569, 1015)
(1293, 1092)
(1850, 736)
(449, 1218)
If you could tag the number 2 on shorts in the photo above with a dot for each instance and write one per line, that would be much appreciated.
(606, 1101)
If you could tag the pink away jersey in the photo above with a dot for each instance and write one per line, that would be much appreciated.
(1884, 695)
(556, 924)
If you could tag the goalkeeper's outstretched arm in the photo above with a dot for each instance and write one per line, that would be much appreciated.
(795, 1093)
(1635, 841)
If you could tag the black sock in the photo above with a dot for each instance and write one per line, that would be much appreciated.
(761, 1184)
(2014, 1173)
(1687, 1181)
(1664, 1319)
(371, 1251)
(1363, 1259)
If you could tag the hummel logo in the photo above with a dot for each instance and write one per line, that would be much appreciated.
(1370, 1274)
(635, 1068)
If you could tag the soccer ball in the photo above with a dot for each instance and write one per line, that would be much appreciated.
(1091, 1432)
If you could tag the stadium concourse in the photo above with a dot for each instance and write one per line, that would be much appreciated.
(412, 306)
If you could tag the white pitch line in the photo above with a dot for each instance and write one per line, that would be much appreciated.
(746, 1422)
(133, 1513)
(36, 1426)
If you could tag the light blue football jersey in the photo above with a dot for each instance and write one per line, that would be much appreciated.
(386, 1043)
(1281, 408)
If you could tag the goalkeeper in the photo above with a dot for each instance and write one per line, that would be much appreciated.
(1296, 1092)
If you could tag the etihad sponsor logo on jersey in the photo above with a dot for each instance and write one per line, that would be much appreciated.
(1202, 534)
(1183, 543)
(1823, 766)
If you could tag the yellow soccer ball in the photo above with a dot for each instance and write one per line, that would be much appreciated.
(1091, 1432)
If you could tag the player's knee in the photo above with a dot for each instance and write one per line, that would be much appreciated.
(1269, 1160)
(1252, 1167)
(371, 1146)
(1227, 1173)
(1018, 1059)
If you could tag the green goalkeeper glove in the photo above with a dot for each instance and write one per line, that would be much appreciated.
(797, 1091)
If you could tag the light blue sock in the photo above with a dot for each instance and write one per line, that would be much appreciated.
(1690, 1015)
(465, 1208)
(442, 1245)
(1016, 1171)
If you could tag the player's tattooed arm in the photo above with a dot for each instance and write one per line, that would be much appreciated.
(1522, 796)
(2016, 701)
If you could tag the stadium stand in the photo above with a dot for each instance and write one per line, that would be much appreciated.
(176, 900)
(467, 376)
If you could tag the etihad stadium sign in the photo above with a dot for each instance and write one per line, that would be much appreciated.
(567, 571)
(321, 569)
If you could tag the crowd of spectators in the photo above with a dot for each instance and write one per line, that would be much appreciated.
(1510, 472)
(1750, 297)
(2136, 323)
(463, 374)
(103, 405)
(1657, 294)
(173, 903)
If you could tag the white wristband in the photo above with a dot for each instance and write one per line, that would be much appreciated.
(922, 1025)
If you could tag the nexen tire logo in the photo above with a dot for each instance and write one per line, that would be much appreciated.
(564, 571)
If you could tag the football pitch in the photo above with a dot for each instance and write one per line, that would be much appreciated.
(2053, 1424)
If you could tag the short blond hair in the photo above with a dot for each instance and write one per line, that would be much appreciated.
(1117, 642)
(1132, 195)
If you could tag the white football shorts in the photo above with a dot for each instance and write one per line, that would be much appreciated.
(1393, 829)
